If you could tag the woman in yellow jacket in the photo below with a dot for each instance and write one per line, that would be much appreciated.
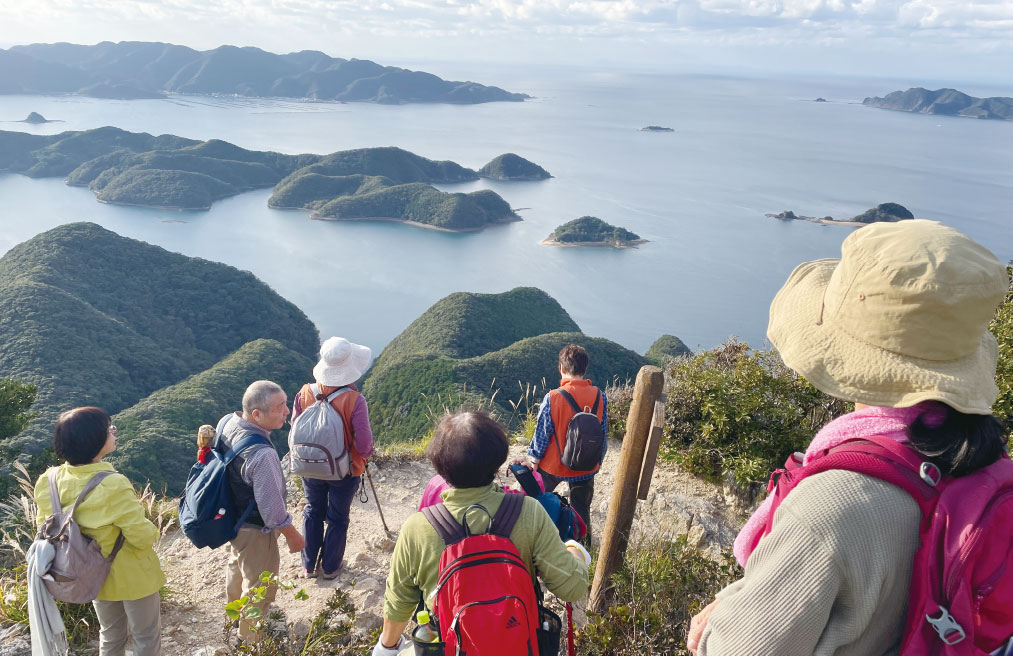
(128, 603)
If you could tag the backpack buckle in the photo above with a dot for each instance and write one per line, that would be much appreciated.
(929, 473)
(950, 632)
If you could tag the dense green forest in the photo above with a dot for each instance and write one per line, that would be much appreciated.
(665, 348)
(479, 348)
(91, 317)
(308, 190)
(156, 441)
(509, 166)
(591, 229)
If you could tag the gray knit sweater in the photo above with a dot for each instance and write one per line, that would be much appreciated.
(831, 579)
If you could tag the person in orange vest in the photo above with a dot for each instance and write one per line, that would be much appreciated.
(545, 454)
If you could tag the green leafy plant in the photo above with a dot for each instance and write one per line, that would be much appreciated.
(1002, 328)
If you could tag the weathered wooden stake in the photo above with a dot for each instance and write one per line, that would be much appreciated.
(651, 453)
(646, 391)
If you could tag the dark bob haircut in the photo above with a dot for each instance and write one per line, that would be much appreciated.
(80, 434)
(467, 449)
(573, 360)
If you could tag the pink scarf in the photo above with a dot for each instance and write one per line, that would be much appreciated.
(868, 422)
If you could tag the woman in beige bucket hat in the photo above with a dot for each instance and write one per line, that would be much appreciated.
(898, 325)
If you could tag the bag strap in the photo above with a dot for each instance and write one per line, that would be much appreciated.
(506, 516)
(92, 483)
(597, 401)
(449, 530)
(527, 480)
(248, 440)
(572, 401)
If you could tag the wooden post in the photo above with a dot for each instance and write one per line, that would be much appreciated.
(651, 453)
(646, 391)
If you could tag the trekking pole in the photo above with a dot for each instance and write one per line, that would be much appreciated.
(377, 499)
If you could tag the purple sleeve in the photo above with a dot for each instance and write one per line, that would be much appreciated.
(296, 405)
(363, 432)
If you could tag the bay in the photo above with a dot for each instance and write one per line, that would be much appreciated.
(742, 147)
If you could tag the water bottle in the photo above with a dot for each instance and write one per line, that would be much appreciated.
(425, 632)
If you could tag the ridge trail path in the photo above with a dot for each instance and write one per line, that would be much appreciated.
(193, 614)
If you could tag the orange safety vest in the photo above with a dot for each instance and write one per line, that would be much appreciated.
(584, 393)
(344, 405)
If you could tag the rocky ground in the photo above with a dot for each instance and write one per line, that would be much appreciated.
(193, 616)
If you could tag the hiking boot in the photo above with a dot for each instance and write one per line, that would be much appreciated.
(330, 576)
(309, 573)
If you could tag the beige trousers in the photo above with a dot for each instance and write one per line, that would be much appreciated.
(139, 620)
(250, 553)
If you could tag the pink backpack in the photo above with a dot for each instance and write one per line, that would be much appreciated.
(961, 596)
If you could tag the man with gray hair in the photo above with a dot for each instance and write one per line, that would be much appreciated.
(255, 475)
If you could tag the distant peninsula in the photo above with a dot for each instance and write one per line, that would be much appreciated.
(170, 172)
(509, 166)
(656, 128)
(137, 69)
(592, 231)
(948, 102)
(880, 213)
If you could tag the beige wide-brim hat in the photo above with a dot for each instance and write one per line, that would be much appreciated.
(901, 318)
(341, 362)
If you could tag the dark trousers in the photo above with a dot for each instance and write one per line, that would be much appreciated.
(330, 500)
(581, 494)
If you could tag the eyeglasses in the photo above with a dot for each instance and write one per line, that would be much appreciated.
(112, 428)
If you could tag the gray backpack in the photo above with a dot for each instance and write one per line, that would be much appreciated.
(79, 569)
(316, 440)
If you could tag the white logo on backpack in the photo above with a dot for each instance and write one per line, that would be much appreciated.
(317, 440)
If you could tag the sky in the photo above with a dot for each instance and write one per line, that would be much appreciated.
(935, 39)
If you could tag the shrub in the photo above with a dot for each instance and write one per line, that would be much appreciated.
(1002, 328)
(732, 409)
(659, 588)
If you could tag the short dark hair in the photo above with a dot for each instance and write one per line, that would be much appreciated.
(961, 443)
(80, 434)
(573, 359)
(468, 448)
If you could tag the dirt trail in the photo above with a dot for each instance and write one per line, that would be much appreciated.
(193, 615)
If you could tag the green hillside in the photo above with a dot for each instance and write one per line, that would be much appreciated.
(95, 318)
(306, 190)
(665, 348)
(397, 164)
(509, 166)
(156, 435)
(469, 347)
(423, 204)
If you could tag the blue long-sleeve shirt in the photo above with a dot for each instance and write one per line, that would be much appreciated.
(545, 430)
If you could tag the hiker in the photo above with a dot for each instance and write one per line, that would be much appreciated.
(432, 494)
(255, 474)
(127, 605)
(899, 326)
(549, 443)
(341, 364)
(467, 449)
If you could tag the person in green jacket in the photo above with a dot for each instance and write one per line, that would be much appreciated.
(128, 604)
(467, 449)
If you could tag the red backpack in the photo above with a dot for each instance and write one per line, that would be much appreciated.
(485, 598)
(961, 596)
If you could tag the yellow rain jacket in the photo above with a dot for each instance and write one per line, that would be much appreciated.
(110, 508)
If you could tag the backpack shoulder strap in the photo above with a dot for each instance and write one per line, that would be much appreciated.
(54, 493)
(92, 483)
(506, 516)
(444, 523)
(243, 443)
(597, 402)
(336, 393)
(570, 400)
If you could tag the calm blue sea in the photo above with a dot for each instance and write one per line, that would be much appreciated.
(741, 148)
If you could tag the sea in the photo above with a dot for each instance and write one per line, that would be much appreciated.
(741, 147)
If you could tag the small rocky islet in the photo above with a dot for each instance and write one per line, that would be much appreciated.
(884, 212)
(592, 231)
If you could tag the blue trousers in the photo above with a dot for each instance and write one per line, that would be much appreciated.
(330, 500)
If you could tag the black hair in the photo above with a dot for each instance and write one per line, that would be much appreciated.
(80, 434)
(468, 448)
(573, 359)
(961, 444)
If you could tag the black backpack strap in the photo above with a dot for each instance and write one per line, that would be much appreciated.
(446, 526)
(597, 402)
(526, 478)
(243, 443)
(505, 518)
(572, 401)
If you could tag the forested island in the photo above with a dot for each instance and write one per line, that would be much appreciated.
(592, 231)
(509, 166)
(137, 69)
(170, 172)
(948, 102)
(881, 212)
(36, 118)
(656, 128)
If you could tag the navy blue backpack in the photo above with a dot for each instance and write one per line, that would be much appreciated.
(569, 524)
(207, 513)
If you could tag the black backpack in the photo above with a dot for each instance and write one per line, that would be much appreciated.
(584, 436)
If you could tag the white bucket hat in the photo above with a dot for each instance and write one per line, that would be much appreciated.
(341, 362)
(901, 318)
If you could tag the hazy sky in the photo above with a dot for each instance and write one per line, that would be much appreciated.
(935, 39)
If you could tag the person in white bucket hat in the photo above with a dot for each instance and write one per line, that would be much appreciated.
(341, 364)
(899, 326)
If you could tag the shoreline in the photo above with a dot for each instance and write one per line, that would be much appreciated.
(427, 226)
(594, 244)
(813, 219)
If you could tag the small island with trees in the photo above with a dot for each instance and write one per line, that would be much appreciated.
(37, 118)
(509, 166)
(882, 212)
(656, 128)
(592, 231)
